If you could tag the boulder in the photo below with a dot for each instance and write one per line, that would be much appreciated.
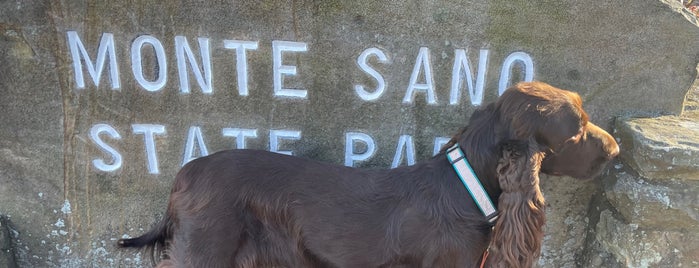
(632, 245)
(103, 101)
(648, 212)
(662, 147)
(655, 204)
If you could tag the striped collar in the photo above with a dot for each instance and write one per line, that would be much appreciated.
(458, 160)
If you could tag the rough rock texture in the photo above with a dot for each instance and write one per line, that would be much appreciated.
(567, 201)
(660, 204)
(7, 249)
(648, 213)
(633, 245)
(68, 211)
(663, 147)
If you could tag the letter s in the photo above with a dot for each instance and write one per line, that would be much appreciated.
(100, 164)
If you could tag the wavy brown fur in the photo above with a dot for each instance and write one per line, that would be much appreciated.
(517, 236)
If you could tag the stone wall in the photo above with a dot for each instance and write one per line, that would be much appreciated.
(103, 101)
(648, 213)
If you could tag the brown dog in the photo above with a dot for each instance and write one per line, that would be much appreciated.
(247, 208)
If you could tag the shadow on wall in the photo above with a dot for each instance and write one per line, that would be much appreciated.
(7, 249)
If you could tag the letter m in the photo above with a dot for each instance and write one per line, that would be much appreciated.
(79, 53)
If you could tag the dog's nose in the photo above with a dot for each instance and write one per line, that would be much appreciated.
(609, 144)
(611, 147)
(613, 151)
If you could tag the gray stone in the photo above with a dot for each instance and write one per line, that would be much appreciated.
(70, 212)
(567, 200)
(619, 44)
(652, 217)
(634, 246)
(655, 204)
(661, 147)
(650, 208)
(7, 249)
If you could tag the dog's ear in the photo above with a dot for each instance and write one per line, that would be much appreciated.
(517, 235)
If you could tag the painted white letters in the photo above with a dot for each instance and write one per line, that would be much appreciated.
(407, 147)
(421, 63)
(276, 135)
(194, 134)
(350, 155)
(279, 70)
(439, 142)
(137, 65)
(196, 63)
(363, 62)
(241, 62)
(100, 164)
(240, 134)
(521, 57)
(149, 131)
(78, 52)
(461, 66)
(204, 75)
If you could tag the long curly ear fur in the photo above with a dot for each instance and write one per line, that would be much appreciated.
(518, 233)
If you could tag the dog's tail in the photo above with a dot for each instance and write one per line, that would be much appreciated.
(154, 240)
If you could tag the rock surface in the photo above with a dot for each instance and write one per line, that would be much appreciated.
(7, 249)
(649, 210)
(81, 166)
(567, 201)
(649, 216)
(663, 147)
(664, 205)
(633, 245)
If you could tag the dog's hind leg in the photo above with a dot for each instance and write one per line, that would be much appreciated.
(270, 243)
(207, 240)
(270, 249)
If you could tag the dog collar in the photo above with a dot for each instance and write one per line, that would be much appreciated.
(458, 160)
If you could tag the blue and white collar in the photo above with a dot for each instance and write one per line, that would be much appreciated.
(458, 160)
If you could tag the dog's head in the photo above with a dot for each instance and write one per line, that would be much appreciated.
(539, 128)
(554, 119)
